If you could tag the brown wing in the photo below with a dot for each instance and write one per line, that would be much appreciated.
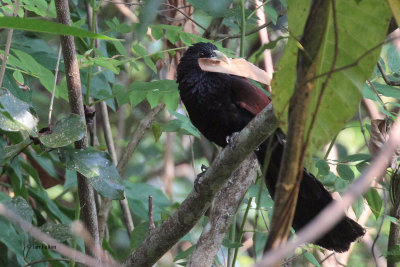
(248, 96)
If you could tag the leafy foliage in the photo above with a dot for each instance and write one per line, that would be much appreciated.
(127, 68)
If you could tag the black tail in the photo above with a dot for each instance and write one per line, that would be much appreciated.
(313, 197)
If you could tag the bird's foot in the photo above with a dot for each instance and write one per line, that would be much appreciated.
(199, 176)
(230, 140)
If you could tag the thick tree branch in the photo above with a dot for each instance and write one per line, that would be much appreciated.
(334, 212)
(224, 208)
(194, 206)
(291, 170)
(85, 190)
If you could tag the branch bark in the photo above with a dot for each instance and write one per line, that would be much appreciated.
(85, 190)
(335, 211)
(224, 208)
(291, 170)
(194, 206)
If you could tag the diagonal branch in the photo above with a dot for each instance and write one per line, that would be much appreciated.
(194, 206)
(224, 208)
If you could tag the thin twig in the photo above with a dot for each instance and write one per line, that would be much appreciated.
(354, 63)
(8, 45)
(250, 32)
(152, 226)
(136, 137)
(380, 228)
(186, 16)
(327, 257)
(362, 125)
(385, 78)
(42, 237)
(54, 84)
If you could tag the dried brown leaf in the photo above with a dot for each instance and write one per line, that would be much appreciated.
(236, 66)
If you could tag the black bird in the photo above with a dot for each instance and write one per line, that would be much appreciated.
(221, 104)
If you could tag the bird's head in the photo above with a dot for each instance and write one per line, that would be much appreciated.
(189, 61)
(202, 50)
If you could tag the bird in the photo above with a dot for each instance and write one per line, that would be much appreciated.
(220, 104)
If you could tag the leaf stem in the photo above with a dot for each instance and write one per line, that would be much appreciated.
(242, 28)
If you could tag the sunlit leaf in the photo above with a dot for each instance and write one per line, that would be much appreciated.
(97, 167)
(361, 27)
(65, 132)
(15, 115)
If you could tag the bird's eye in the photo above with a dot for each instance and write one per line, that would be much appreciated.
(202, 54)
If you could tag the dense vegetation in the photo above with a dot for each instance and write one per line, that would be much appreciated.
(141, 143)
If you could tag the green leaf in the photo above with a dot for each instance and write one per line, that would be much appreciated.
(356, 157)
(139, 193)
(18, 76)
(15, 115)
(65, 132)
(374, 201)
(393, 220)
(155, 91)
(10, 152)
(184, 254)
(310, 257)
(271, 14)
(358, 206)
(172, 35)
(256, 56)
(45, 26)
(97, 167)
(360, 28)
(323, 167)
(180, 124)
(157, 31)
(229, 244)
(60, 232)
(387, 90)
(139, 49)
(19, 206)
(150, 64)
(46, 77)
(139, 235)
(345, 172)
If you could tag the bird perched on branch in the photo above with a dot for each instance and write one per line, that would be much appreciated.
(220, 104)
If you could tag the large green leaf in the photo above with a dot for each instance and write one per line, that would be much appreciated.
(155, 91)
(65, 132)
(19, 206)
(15, 115)
(374, 202)
(10, 152)
(37, 25)
(361, 26)
(139, 193)
(98, 167)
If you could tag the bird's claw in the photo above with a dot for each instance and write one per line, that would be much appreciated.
(230, 140)
(199, 176)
